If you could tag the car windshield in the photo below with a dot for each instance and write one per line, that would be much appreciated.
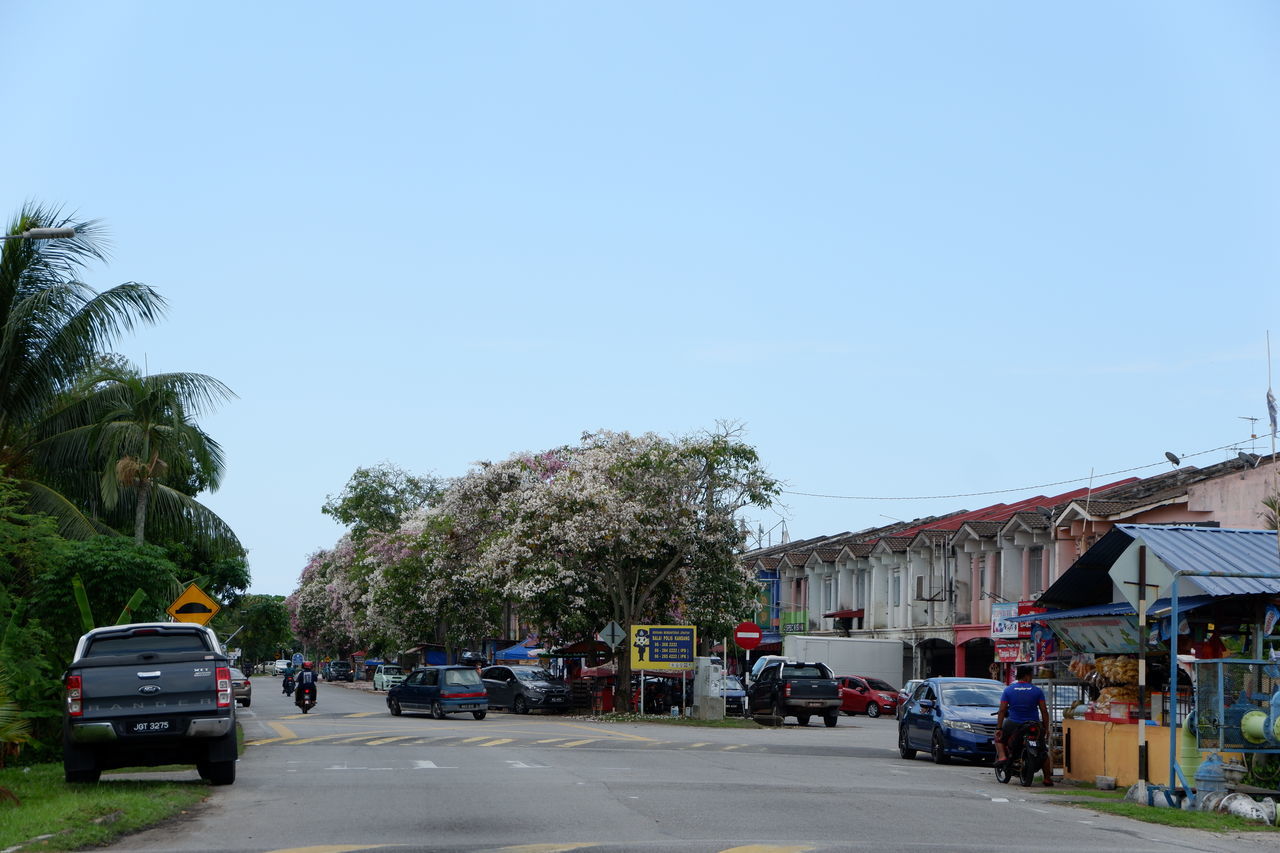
(804, 670)
(528, 674)
(392, 670)
(461, 676)
(877, 684)
(731, 682)
(972, 693)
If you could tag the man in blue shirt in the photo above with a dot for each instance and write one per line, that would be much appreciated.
(1023, 702)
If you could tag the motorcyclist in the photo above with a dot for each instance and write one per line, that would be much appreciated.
(287, 683)
(1019, 704)
(306, 683)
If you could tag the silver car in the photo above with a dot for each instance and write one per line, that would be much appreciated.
(525, 688)
(386, 676)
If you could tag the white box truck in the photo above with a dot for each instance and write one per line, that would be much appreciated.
(870, 658)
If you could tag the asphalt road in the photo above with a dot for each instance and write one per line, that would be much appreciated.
(349, 776)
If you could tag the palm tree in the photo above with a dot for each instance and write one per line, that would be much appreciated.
(149, 456)
(53, 328)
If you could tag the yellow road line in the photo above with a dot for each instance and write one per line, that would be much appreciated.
(696, 745)
(365, 714)
(732, 746)
(543, 848)
(579, 742)
(770, 848)
(550, 740)
(499, 742)
(474, 739)
(262, 741)
(609, 735)
(335, 737)
(380, 741)
(282, 730)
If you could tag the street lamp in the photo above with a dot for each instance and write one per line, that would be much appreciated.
(41, 234)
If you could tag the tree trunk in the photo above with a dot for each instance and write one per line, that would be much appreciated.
(140, 513)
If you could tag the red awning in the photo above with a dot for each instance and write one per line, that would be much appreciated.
(843, 614)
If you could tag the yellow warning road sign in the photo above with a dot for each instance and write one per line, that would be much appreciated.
(194, 606)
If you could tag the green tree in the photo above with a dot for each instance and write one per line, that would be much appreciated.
(379, 498)
(138, 433)
(263, 625)
(53, 327)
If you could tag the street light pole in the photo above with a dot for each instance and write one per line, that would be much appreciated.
(41, 234)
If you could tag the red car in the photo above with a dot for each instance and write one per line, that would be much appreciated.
(869, 696)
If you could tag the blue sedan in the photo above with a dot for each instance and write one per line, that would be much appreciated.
(440, 690)
(951, 717)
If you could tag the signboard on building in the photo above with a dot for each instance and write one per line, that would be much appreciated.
(1001, 612)
(795, 622)
(1026, 608)
(663, 646)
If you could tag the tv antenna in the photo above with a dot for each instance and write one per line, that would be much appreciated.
(1253, 429)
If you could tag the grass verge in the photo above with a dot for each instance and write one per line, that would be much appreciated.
(81, 815)
(52, 815)
(1113, 803)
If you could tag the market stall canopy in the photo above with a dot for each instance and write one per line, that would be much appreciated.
(520, 651)
(1108, 570)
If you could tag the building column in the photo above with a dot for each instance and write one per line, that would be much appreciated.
(1026, 573)
(975, 588)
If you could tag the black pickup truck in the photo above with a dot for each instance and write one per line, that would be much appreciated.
(789, 688)
(145, 695)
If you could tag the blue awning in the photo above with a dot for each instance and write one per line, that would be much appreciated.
(1161, 607)
(1120, 608)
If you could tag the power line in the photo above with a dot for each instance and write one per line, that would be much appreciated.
(1003, 491)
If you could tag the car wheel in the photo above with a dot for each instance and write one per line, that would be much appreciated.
(437, 710)
(479, 715)
(873, 710)
(802, 719)
(519, 705)
(247, 702)
(393, 706)
(780, 712)
(832, 719)
(939, 751)
(217, 772)
(904, 746)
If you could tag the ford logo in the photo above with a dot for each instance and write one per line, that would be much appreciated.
(149, 689)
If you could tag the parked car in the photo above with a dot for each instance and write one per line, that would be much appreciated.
(280, 666)
(782, 688)
(735, 697)
(869, 696)
(241, 687)
(525, 688)
(387, 675)
(440, 690)
(951, 717)
(905, 693)
(340, 670)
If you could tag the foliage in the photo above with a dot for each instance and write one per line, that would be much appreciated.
(52, 328)
(29, 544)
(140, 452)
(1270, 514)
(377, 499)
(322, 611)
(15, 729)
(263, 624)
(112, 568)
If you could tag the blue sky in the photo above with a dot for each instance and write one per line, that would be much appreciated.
(916, 249)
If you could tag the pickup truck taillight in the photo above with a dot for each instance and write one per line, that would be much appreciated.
(224, 687)
(786, 689)
(74, 706)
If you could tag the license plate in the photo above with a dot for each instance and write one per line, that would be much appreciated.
(556, 699)
(470, 706)
(815, 704)
(150, 726)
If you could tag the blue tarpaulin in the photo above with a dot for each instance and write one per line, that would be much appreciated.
(526, 650)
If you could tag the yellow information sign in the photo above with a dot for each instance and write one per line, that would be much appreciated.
(194, 606)
(663, 646)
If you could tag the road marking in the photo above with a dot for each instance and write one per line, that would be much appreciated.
(599, 734)
(549, 740)
(262, 741)
(544, 848)
(769, 848)
(999, 799)
(429, 765)
(696, 745)
(365, 714)
(520, 765)
(282, 730)
(331, 848)
(474, 739)
(380, 741)
(732, 746)
(319, 738)
(499, 741)
(578, 742)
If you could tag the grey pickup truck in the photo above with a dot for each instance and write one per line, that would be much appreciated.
(145, 695)
(788, 688)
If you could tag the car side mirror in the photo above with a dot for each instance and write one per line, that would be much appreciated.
(927, 704)
(862, 690)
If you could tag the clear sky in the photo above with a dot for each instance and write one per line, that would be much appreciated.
(923, 249)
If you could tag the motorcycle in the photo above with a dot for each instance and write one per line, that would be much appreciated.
(1025, 755)
(306, 698)
(287, 687)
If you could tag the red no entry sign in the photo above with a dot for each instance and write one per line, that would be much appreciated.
(747, 635)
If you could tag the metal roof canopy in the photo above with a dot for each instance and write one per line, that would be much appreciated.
(1241, 562)
(1119, 608)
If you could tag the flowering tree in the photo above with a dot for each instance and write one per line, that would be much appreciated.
(323, 609)
(628, 527)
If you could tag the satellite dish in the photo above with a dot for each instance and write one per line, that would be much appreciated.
(1250, 459)
(1175, 460)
